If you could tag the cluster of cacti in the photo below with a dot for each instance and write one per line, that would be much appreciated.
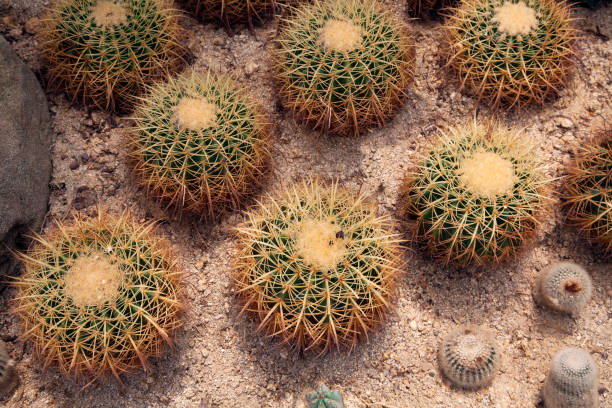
(324, 398)
(236, 11)
(512, 52)
(476, 194)
(588, 196)
(565, 287)
(469, 357)
(106, 51)
(316, 265)
(98, 296)
(424, 8)
(8, 377)
(571, 381)
(344, 65)
(199, 143)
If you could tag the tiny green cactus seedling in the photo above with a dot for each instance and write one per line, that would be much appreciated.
(317, 265)
(344, 65)
(469, 357)
(565, 287)
(572, 381)
(324, 398)
(475, 195)
(105, 51)
(199, 144)
(98, 296)
(588, 196)
(236, 11)
(8, 377)
(512, 52)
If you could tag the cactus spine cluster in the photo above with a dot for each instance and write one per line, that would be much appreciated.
(469, 357)
(565, 287)
(571, 381)
(199, 143)
(512, 52)
(475, 195)
(344, 65)
(324, 398)
(98, 296)
(317, 265)
(588, 197)
(105, 51)
(8, 377)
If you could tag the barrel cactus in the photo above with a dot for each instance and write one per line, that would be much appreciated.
(476, 194)
(588, 196)
(98, 296)
(199, 143)
(344, 65)
(512, 52)
(105, 51)
(571, 381)
(324, 398)
(8, 377)
(565, 287)
(469, 357)
(316, 265)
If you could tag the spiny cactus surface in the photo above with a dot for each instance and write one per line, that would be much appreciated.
(565, 287)
(588, 196)
(98, 296)
(236, 11)
(324, 398)
(425, 8)
(344, 65)
(476, 194)
(469, 357)
(105, 51)
(199, 143)
(512, 52)
(8, 378)
(572, 381)
(317, 265)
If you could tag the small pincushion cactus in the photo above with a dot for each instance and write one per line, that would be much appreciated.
(317, 265)
(469, 357)
(105, 51)
(571, 381)
(199, 143)
(8, 379)
(344, 65)
(588, 197)
(324, 398)
(98, 296)
(235, 11)
(476, 194)
(565, 287)
(512, 52)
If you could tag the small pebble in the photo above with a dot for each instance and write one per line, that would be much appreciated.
(74, 164)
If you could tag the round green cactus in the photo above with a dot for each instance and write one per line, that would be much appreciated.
(199, 143)
(475, 195)
(317, 266)
(469, 357)
(98, 296)
(565, 287)
(235, 11)
(324, 398)
(588, 196)
(344, 65)
(512, 52)
(571, 381)
(8, 377)
(105, 51)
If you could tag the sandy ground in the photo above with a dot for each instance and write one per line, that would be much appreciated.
(218, 359)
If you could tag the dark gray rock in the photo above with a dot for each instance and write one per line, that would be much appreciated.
(25, 161)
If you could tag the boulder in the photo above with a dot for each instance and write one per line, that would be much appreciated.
(25, 160)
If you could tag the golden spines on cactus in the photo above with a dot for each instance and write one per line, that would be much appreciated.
(476, 194)
(344, 65)
(316, 265)
(105, 51)
(511, 52)
(199, 143)
(588, 196)
(99, 296)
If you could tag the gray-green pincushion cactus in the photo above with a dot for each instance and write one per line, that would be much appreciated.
(8, 377)
(572, 381)
(469, 357)
(324, 398)
(565, 287)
